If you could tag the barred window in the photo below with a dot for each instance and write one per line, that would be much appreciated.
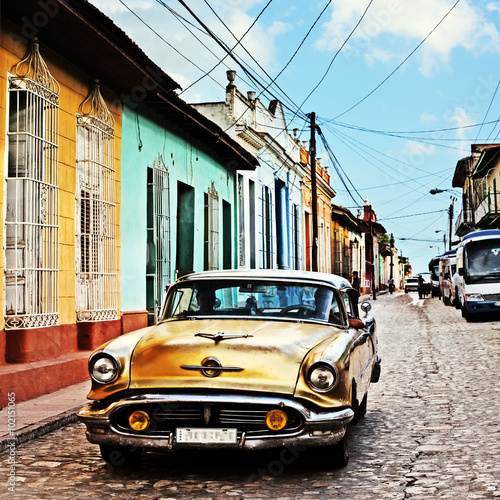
(96, 274)
(31, 196)
(158, 229)
(267, 221)
(211, 258)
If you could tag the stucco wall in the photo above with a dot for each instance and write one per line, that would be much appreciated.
(146, 137)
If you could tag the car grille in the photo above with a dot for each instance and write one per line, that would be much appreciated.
(492, 297)
(166, 417)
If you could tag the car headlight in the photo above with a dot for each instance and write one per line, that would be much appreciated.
(322, 377)
(474, 297)
(104, 368)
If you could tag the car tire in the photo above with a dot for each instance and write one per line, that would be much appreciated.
(340, 451)
(363, 406)
(467, 315)
(354, 404)
(446, 300)
(120, 456)
(457, 299)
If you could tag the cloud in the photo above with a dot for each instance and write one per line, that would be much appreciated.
(399, 26)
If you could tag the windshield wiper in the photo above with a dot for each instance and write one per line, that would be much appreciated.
(217, 337)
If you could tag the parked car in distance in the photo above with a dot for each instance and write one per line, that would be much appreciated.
(242, 360)
(411, 284)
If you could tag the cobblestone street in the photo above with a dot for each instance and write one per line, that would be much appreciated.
(432, 430)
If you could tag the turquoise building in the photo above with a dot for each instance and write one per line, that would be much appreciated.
(179, 200)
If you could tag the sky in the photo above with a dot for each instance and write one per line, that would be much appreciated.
(401, 89)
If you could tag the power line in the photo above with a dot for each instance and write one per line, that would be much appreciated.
(399, 66)
(337, 53)
(238, 42)
(337, 166)
(413, 215)
(165, 41)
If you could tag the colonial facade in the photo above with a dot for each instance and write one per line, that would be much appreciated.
(269, 208)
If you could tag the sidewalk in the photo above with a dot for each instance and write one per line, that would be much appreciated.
(42, 415)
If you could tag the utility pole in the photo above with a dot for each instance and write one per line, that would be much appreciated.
(392, 262)
(314, 193)
(451, 223)
(374, 285)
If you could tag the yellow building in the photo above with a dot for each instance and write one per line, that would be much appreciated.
(325, 193)
(60, 142)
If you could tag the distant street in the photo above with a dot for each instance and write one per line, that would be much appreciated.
(432, 430)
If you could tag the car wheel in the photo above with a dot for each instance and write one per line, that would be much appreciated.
(363, 406)
(120, 456)
(467, 315)
(340, 451)
(354, 404)
(446, 300)
(457, 299)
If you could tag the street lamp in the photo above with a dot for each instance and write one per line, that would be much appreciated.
(450, 212)
(444, 237)
(437, 191)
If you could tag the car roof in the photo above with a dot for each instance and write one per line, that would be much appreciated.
(278, 274)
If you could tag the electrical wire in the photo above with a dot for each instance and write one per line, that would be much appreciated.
(238, 42)
(336, 54)
(166, 42)
(414, 215)
(401, 64)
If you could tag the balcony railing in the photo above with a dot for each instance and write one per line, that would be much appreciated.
(488, 208)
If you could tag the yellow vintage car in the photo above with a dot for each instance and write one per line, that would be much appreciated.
(243, 359)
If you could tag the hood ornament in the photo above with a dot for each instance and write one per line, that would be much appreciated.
(212, 367)
(217, 337)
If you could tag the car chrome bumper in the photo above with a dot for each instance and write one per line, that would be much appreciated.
(318, 429)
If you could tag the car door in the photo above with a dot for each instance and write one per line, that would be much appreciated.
(363, 349)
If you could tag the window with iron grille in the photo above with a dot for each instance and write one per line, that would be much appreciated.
(96, 274)
(295, 237)
(211, 246)
(158, 265)
(241, 222)
(31, 196)
(266, 228)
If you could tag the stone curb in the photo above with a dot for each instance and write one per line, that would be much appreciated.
(38, 429)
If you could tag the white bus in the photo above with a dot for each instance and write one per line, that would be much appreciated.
(478, 268)
(447, 268)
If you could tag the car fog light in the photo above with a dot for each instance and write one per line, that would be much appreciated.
(276, 420)
(139, 420)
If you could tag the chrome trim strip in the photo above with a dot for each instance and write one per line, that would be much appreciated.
(214, 368)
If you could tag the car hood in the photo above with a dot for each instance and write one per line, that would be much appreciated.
(269, 354)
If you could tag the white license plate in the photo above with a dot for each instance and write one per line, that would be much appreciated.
(203, 435)
(497, 304)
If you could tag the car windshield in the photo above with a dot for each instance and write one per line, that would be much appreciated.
(483, 257)
(258, 299)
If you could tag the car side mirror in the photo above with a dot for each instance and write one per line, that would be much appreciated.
(460, 271)
(356, 323)
(365, 307)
